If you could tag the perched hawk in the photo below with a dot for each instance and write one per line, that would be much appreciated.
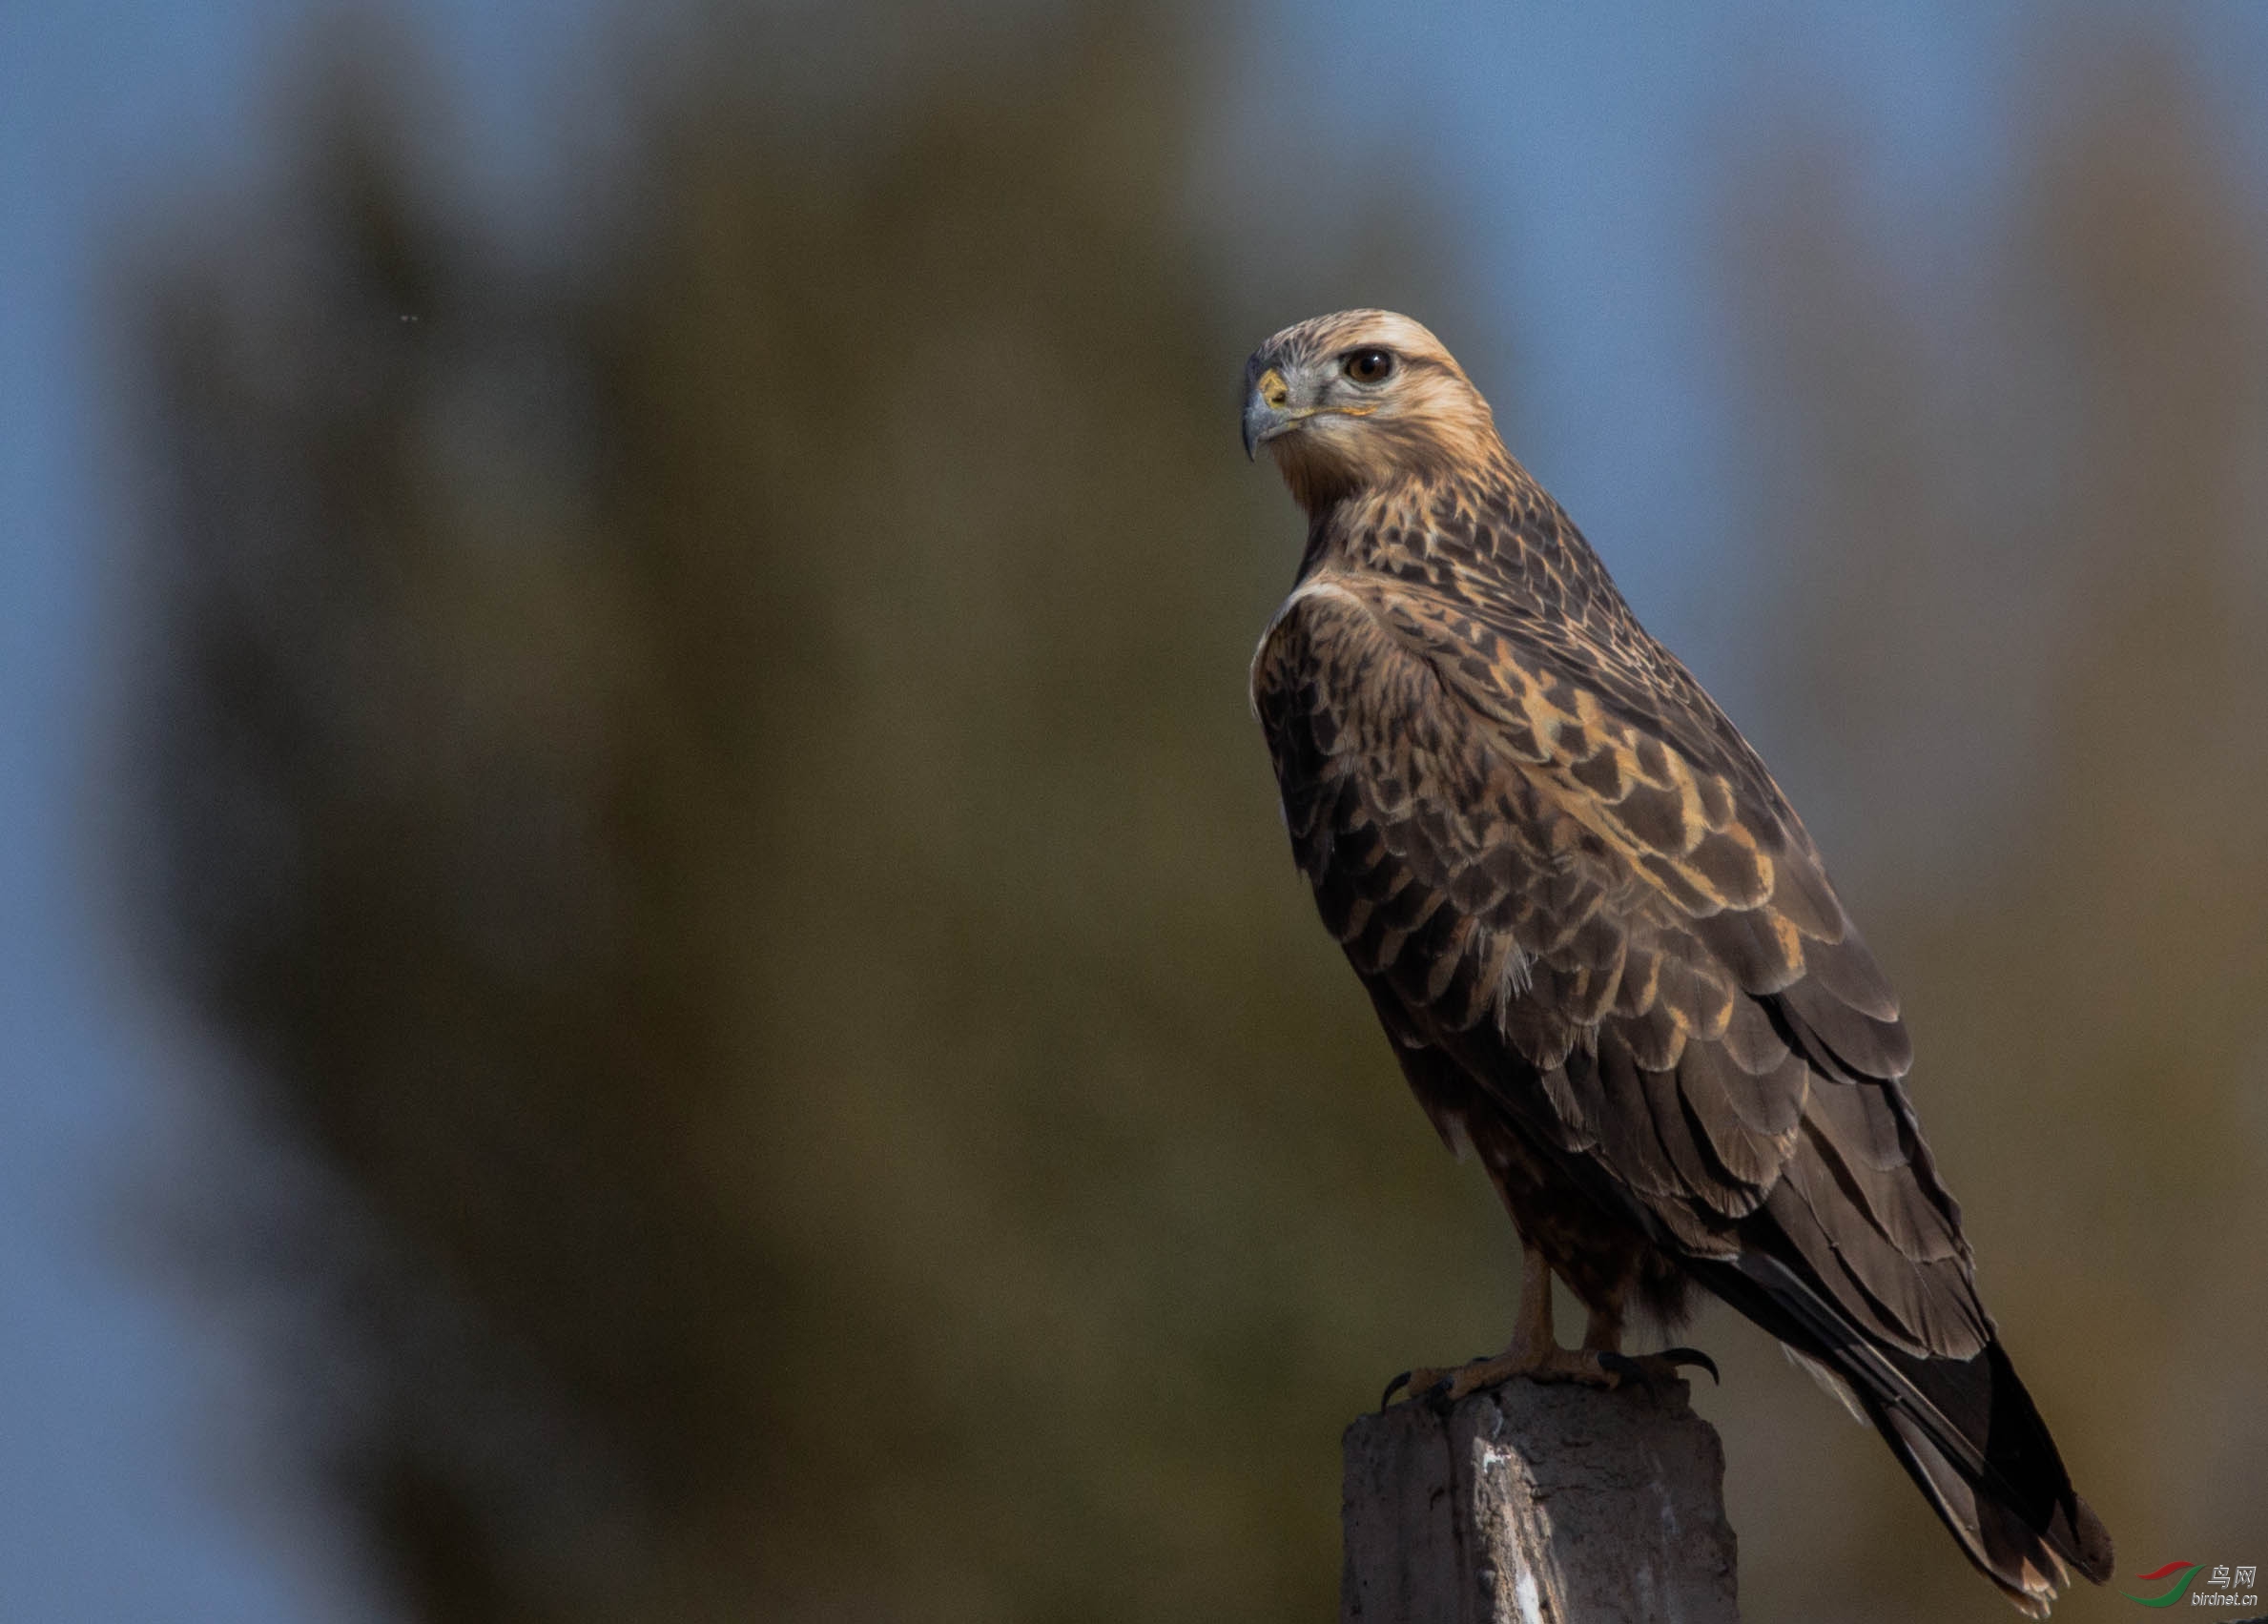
(1606, 953)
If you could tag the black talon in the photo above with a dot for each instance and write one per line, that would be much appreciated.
(1622, 1366)
(1630, 1370)
(1394, 1386)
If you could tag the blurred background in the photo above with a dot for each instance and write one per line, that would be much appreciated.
(649, 969)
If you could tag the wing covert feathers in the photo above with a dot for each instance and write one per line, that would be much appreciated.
(1450, 816)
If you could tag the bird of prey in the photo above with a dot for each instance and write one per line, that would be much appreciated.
(1603, 948)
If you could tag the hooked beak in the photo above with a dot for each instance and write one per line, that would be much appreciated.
(1267, 412)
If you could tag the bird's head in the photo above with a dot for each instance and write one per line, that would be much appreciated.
(1349, 402)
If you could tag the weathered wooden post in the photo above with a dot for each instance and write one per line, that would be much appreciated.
(1535, 1504)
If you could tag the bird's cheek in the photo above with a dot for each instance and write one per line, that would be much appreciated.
(1342, 438)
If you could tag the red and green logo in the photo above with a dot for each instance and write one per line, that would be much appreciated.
(2180, 1572)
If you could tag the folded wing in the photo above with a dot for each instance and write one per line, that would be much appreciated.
(1554, 861)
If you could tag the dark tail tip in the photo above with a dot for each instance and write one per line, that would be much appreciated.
(2009, 1501)
(2083, 1540)
(2022, 1457)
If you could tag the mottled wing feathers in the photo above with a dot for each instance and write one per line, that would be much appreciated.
(1640, 754)
(1552, 859)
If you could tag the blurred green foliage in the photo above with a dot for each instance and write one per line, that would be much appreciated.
(710, 789)
(719, 799)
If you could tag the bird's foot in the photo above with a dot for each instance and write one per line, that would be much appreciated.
(1445, 1387)
(1648, 1370)
(1591, 1368)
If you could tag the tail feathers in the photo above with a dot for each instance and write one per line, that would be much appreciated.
(2027, 1564)
(2010, 1502)
(1964, 1429)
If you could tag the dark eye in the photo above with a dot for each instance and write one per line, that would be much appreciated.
(1368, 366)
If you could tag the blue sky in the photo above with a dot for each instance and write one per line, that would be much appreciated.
(104, 1507)
(135, 1484)
(1588, 146)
